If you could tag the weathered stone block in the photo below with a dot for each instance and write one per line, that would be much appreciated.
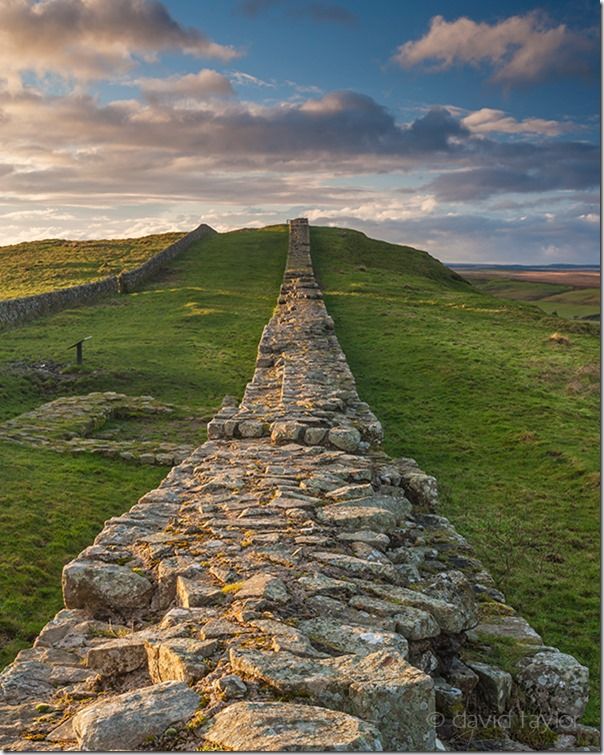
(287, 727)
(345, 438)
(556, 683)
(353, 517)
(346, 638)
(180, 659)
(117, 656)
(193, 593)
(495, 685)
(124, 722)
(265, 586)
(98, 585)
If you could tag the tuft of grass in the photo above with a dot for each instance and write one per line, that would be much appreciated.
(559, 339)
(532, 731)
(470, 387)
(233, 587)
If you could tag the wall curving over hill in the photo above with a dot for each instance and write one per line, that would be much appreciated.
(16, 311)
(287, 587)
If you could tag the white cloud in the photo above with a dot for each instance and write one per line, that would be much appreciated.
(246, 79)
(198, 86)
(490, 121)
(521, 49)
(91, 39)
(380, 208)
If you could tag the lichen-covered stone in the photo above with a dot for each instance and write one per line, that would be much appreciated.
(180, 659)
(494, 684)
(351, 517)
(288, 727)
(556, 684)
(117, 656)
(194, 593)
(126, 721)
(346, 638)
(98, 585)
(265, 586)
(346, 438)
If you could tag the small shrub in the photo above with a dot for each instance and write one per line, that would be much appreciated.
(559, 339)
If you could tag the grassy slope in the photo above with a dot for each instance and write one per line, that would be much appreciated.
(35, 267)
(577, 303)
(189, 338)
(471, 387)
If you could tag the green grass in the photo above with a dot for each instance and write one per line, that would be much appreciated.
(51, 507)
(188, 338)
(508, 421)
(580, 302)
(35, 267)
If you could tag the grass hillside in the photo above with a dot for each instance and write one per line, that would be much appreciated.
(189, 338)
(35, 267)
(507, 419)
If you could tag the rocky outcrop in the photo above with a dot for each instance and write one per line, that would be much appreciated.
(287, 587)
(22, 309)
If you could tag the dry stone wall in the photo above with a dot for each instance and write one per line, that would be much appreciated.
(24, 308)
(288, 586)
(130, 280)
(16, 311)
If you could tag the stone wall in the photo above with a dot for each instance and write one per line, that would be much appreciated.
(288, 586)
(19, 310)
(130, 280)
(16, 311)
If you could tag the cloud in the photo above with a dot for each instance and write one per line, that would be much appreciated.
(489, 121)
(521, 49)
(246, 79)
(522, 168)
(48, 143)
(197, 86)
(92, 39)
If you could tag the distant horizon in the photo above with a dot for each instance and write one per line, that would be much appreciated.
(470, 129)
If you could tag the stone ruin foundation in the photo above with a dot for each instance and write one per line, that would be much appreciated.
(288, 587)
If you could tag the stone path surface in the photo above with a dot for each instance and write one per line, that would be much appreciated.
(287, 587)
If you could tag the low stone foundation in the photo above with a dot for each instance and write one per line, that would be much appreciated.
(66, 425)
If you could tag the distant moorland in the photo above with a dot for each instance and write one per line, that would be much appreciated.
(567, 291)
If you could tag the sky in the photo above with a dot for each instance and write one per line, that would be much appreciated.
(468, 128)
